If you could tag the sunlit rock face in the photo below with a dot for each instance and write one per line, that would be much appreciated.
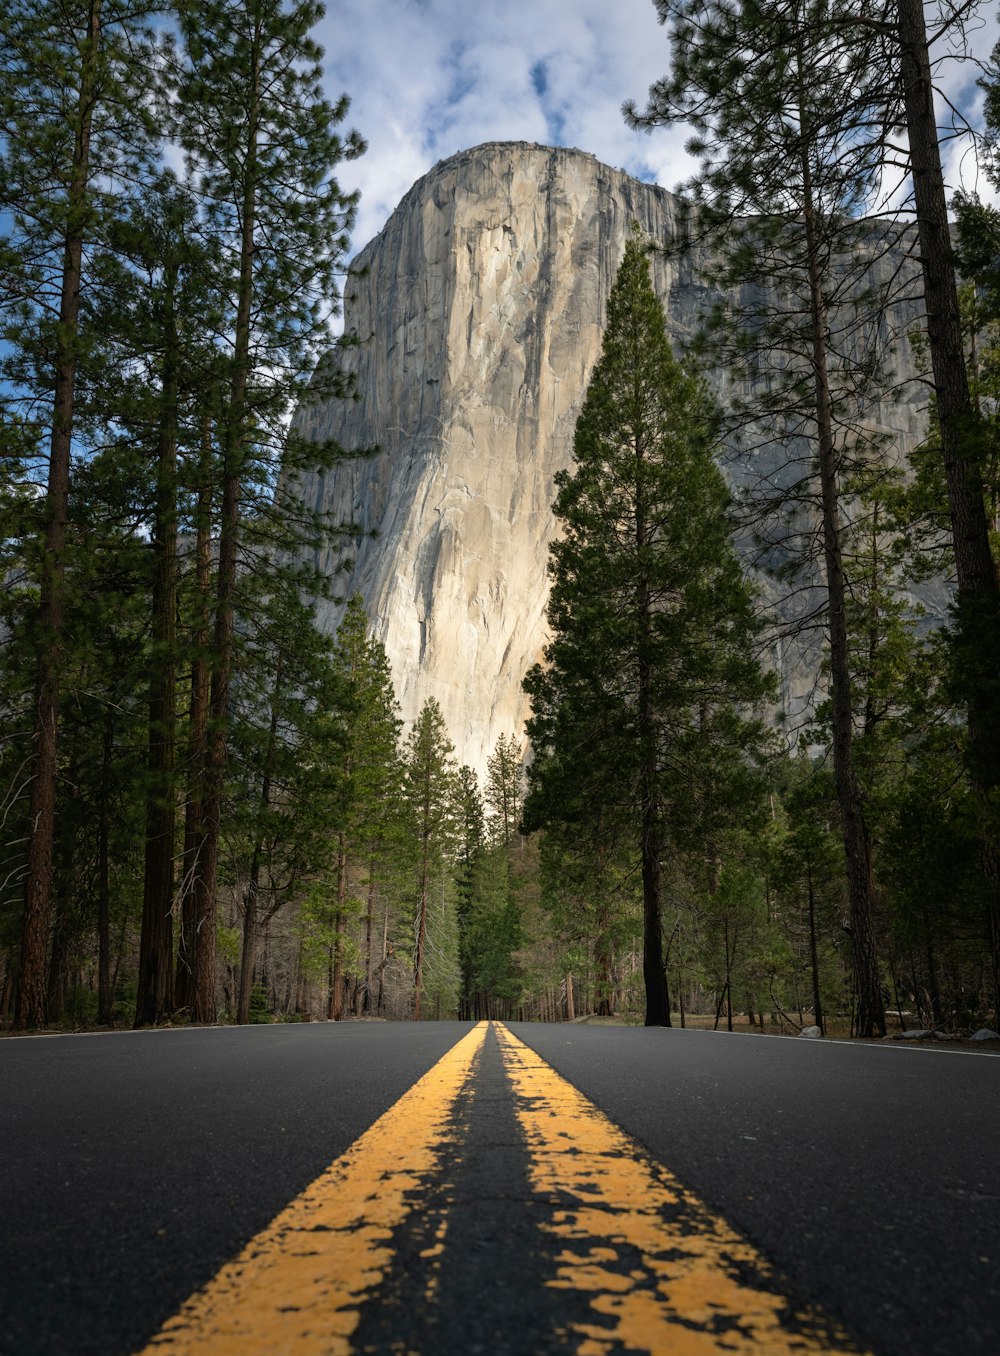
(481, 311)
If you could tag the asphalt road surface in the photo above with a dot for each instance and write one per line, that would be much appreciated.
(436, 1188)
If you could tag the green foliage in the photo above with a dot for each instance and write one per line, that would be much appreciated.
(65, 80)
(639, 705)
(643, 448)
(227, 941)
(203, 308)
(359, 822)
(978, 228)
(431, 799)
(369, 770)
(262, 143)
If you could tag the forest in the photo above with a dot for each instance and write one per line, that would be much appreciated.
(209, 807)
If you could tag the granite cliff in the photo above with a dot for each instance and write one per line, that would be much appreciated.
(480, 311)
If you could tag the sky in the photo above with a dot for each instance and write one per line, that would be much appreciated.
(428, 78)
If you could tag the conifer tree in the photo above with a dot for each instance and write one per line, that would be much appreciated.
(781, 185)
(503, 788)
(799, 107)
(73, 119)
(962, 435)
(500, 933)
(652, 622)
(979, 238)
(470, 885)
(262, 144)
(288, 751)
(155, 305)
(199, 607)
(368, 778)
(160, 360)
(431, 792)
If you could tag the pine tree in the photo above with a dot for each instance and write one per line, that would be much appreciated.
(782, 182)
(652, 622)
(501, 933)
(155, 309)
(72, 119)
(979, 238)
(368, 781)
(470, 886)
(866, 76)
(961, 432)
(262, 144)
(431, 792)
(503, 788)
(289, 747)
(160, 362)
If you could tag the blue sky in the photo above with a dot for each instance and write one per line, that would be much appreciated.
(428, 78)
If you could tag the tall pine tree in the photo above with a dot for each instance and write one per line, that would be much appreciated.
(262, 144)
(432, 793)
(368, 790)
(652, 622)
(73, 119)
(782, 182)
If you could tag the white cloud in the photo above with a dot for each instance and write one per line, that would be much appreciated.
(428, 78)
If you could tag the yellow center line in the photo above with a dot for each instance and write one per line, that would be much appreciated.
(299, 1284)
(658, 1267)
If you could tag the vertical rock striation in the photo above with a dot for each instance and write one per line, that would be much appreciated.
(480, 313)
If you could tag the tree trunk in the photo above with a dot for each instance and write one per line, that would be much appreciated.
(570, 1009)
(933, 989)
(337, 978)
(604, 964)
(249, 953)
(978, 600)
(653, 968)
(418, 969)
(234, 454)
(867, 981)
(103, 875)
(154, 995)
(251, 909)
(366, 1003)
(30, 1008)
(384, 961)
(56, 985)
(895, 994)
(198, 730)
(814, 958)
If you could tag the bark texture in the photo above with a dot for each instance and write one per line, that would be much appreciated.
(30, 1009)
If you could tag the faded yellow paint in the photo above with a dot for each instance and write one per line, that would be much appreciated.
(298, 1286)
(433, 1256)
(685, 1282)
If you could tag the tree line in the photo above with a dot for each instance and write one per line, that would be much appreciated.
(209, 805)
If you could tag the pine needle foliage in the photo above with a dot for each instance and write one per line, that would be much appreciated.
(652, 657)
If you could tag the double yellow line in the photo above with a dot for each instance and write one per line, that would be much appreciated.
(655, 1269)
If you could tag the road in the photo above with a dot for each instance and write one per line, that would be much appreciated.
(440, 1188)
